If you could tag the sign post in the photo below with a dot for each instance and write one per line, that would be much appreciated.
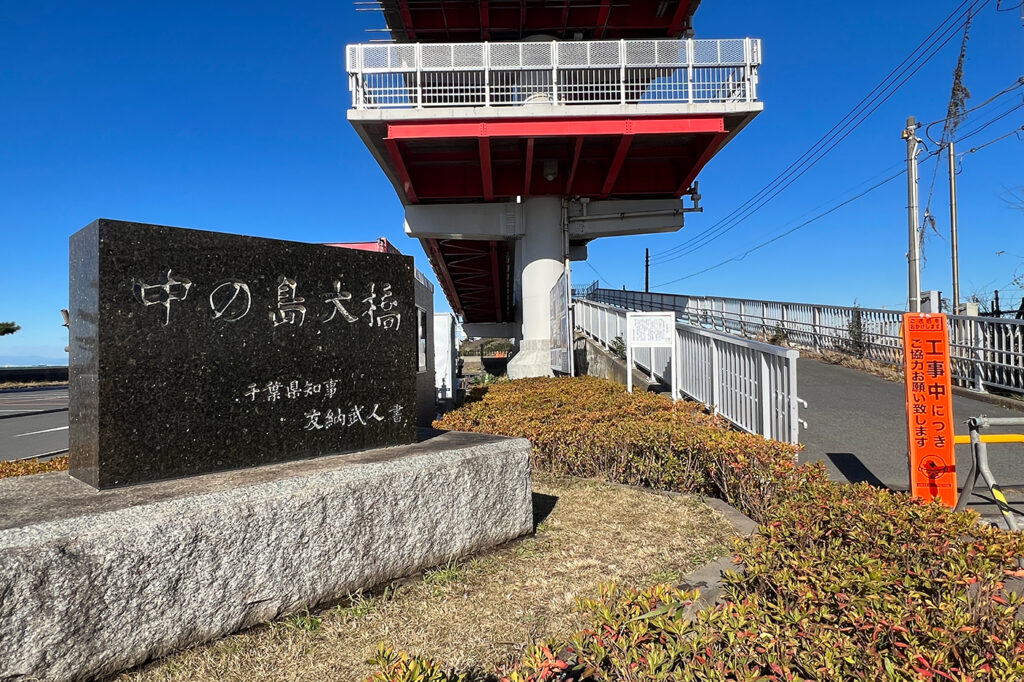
(651, 330)
(929, 407)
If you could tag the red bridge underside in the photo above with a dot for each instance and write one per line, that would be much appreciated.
(499, 160)
(496, 20)
(598, 158)
(476, 276)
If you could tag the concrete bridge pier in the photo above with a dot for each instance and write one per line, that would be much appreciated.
(539, 264)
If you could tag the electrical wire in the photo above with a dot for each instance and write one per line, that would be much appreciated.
(724, 227)
(1016, 84)
(930, 46)
(790, 231)
(599, 275)
(973, 150)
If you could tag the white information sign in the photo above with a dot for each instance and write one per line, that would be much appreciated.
(651, 330)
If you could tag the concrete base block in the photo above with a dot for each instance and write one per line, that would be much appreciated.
(532, 360)
(94, 582)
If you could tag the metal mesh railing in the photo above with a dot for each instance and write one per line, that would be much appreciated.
(751, 384)
(986, 353)
(562, 73)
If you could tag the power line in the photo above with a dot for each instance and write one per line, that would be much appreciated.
(1015, 131)
(853, 119)
(790, 231)
(1016, 84)
(727, 225)
(972, 150)
(991, 121)
(599, 275)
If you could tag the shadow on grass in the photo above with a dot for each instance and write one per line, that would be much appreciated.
(543, 505)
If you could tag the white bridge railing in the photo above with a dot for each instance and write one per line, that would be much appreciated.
(986, 352)
(562, 73)
(752, 384)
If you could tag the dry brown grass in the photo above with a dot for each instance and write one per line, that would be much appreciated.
(30, 384)
(480, 610)
(879, 369)
(27, 467)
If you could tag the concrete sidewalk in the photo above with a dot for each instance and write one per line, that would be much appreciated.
(857, 427)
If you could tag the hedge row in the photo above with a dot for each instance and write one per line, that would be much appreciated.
(592, 428)
(841, 583)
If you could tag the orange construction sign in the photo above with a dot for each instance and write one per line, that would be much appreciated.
(929, 407)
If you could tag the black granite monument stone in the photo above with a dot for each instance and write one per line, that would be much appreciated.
(193, 352)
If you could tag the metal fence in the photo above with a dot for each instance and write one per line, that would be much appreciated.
(986, 353)
(562, 73)
(751, 384)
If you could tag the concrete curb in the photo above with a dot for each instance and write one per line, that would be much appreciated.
(997, 400)
(32, 414)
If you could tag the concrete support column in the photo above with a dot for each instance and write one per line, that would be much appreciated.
(539, 264)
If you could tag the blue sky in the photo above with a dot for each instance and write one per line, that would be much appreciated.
(231, 117)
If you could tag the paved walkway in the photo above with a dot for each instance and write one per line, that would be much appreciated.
(857, 426)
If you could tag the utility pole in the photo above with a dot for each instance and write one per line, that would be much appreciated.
(952, 229)
(647, 271)
(914, 239)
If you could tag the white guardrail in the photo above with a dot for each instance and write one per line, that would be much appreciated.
(561, 73)
(752, 384)
(985, 352)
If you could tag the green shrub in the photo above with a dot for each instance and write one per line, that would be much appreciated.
(593, 428)
(842, 582)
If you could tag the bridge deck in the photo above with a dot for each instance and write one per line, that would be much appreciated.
(856, 425)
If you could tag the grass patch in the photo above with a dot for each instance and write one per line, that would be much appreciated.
(30, 384)
(26, 467)
(487, 608)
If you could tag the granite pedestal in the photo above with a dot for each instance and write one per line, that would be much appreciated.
(93, 582)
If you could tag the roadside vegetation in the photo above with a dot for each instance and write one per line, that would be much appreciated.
(26, 467)
(482, 611)
(842, 582)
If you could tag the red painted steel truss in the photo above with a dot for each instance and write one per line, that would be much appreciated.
(476, 276)
(450, 161)
(479, 20)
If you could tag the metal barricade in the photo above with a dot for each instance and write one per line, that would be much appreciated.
(979, 461)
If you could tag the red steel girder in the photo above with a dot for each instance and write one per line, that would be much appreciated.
(602, 18)
(529, 166)
(575, 164)
(485, 168)
(441, 269)
(495, 280)
(617, 161)
(403, 172)
(485, 21)
(701, 161)
(555, 127)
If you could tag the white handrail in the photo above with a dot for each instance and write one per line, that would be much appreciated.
(415, 75)
(752, 384)
(986, 352)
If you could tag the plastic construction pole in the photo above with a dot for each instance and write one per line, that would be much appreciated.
(953, 230)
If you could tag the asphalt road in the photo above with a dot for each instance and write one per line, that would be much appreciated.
(856, 426)
(33, 422)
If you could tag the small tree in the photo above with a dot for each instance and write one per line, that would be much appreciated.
(8, 328)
